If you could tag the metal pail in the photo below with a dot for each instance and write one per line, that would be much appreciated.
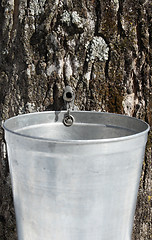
(78, 182)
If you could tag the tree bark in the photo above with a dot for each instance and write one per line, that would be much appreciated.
(102, 48)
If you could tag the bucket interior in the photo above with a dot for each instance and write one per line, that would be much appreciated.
(58, 131)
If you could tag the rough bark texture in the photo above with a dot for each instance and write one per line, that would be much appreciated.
(102, 48)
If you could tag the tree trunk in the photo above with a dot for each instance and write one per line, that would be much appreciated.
(102, 48)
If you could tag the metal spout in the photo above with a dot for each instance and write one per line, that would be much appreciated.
(68, 97)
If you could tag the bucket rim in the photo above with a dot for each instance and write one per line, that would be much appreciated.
(74, 141)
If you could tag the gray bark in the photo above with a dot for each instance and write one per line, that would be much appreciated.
(102, 48)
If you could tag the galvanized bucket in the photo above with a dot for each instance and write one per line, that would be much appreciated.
(78, 182)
